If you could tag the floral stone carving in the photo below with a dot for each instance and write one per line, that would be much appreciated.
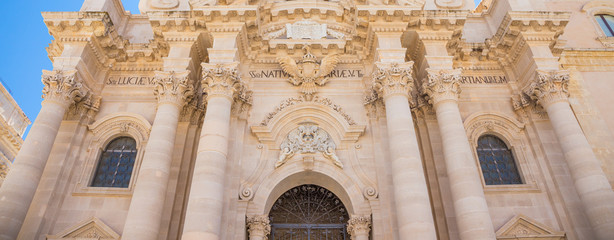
(308, 139)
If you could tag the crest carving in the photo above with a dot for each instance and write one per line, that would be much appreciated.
(308, 138)
(307, 72)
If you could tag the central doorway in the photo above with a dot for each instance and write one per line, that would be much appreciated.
(308, 212)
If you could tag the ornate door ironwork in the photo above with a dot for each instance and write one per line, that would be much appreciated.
(308, 212)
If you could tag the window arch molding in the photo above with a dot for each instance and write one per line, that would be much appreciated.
(512, 133)
(103, 132)
(600, 7)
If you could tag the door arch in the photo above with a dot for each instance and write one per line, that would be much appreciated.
(309, 212)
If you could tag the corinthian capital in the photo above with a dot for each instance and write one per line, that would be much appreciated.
(392, 79)
(359, 226)
(224, 80)
(549, 87)
(258, 226)
(442, 84)
(173, 87)
(62, 87)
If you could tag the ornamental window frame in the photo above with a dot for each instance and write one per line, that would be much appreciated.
(600, 7)
(512, 133)
(103, 132)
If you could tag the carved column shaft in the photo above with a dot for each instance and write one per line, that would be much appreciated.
(60, 91)
(550, 90)
(258, 227)
(146, 207)
(471, 210)
(359, 227)
(221, 84)
(393, 82)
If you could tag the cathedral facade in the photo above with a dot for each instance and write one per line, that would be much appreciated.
(321, 119)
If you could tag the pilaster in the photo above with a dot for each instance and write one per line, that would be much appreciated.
(359, 227)
(258, 227)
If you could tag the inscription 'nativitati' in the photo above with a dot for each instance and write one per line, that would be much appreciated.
(278, 73)
(130, 80)
(481, 79)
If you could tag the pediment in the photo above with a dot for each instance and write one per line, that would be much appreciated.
(522, 227)
(92, 228)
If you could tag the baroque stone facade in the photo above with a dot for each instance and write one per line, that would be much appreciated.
(13, 124)
(362, 119)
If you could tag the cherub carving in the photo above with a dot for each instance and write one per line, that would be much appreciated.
(308, 139)
(307, 72)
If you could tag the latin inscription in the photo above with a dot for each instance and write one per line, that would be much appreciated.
(278, 73)
(130, 81)
(474, 79)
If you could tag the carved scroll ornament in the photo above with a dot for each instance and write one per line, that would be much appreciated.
(308, 139)
(224, 80)
(549, 87)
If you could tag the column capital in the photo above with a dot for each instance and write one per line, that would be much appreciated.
(442, 84)
(359, 225)
(392, 79)
(258, 226)
(224, 80)
(62, 87)
(549, 87)
(173, 87)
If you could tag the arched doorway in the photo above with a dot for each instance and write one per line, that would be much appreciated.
(308, 212)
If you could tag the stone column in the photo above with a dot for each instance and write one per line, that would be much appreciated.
(258, 227)
(550, 90)
(393, 82)
(471, 210)
(359, 227)
(145, 213)
(221, 84)
(61, 89)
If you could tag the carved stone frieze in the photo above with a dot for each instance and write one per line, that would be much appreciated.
(173, 87)
(359, 226)
(442, 84)
(308, 73)
(319, 100)
(62, 87)
(308, 139)
(549, 87)
(391, 79)
(258, 226)
(224, 80)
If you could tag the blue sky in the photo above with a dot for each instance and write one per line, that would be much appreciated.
(22, 47)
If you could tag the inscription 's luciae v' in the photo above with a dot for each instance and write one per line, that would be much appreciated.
(307, 72)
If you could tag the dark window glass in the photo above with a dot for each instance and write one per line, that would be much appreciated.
(116, 163)
(308, 212)
(607, 24)
(497, 162)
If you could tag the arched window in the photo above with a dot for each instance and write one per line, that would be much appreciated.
(497, 162)
(606, 22)
(116, 163)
